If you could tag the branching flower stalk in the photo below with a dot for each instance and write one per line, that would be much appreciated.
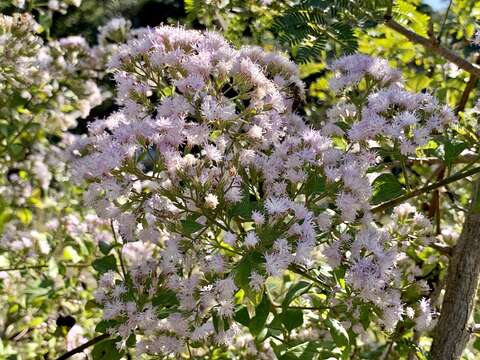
(216, 185)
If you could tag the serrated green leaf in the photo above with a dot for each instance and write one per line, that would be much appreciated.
(295, 291)
(365, 316)
(291, 318)
(105, 264)
(242, 316)
(452, 150)
(189, 225)
(244, 268)
(244, 208)
(386, 187)
(315, 184)
(165, 298)
(258, 322)
(105, 247)
(106, 350)
(104, 325)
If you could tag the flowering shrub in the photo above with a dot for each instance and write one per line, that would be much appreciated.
(246, 207)
(47, 240)
(220, 187)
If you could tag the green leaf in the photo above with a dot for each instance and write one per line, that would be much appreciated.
(386, 187)
(16, 151)
(105, 264)
(104, 325)
(106, 350)
(419, 82)
(306, 351)
(476, 344)
(243, 270)
(24, 215)
(52, 268)
(338, 332)
(105, 247)
(453, 150)
(189, 225)
(365, 316)
(70, 254)
(257, 323)
(131, 341)
(291, 318)
(295, 291)
(91, 305)
(315, 185)
(217, 322)
(242, 316)
(165, 298)
(244, 208)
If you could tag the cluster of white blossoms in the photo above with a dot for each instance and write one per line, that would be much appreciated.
(46, 85)
(49, 83)
(407, 119)
(209, 168)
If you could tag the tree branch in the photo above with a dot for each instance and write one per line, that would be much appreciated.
(472, 82)
(452, 331)
(434, 47)
(82, 347)
(442, 249)
(425, 189)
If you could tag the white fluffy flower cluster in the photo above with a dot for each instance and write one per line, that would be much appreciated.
(207, 163)
(407, 119)
(47, 83)
(116, 30)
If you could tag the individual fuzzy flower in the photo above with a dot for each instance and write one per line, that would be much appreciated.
(211, 201)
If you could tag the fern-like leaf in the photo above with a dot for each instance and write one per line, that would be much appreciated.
(312, 24)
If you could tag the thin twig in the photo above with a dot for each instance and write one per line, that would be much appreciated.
(434, 208)
(303, 307)
(442, 249)
(387, 351)
(298, 270)
(472, 82)
(119, 252)
(425, 189)
(40, 267)
(440, 33)
(434, 47)
(83, 346)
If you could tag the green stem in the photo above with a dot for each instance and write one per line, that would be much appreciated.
(297, 270)
(404, 168)
(119, 252)
(444, 22)
(16, 136)
(304, 307)
(41, 267)
(425, 189)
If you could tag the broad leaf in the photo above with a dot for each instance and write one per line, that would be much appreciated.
(105, 264)
(386, 187)
(295, 291)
